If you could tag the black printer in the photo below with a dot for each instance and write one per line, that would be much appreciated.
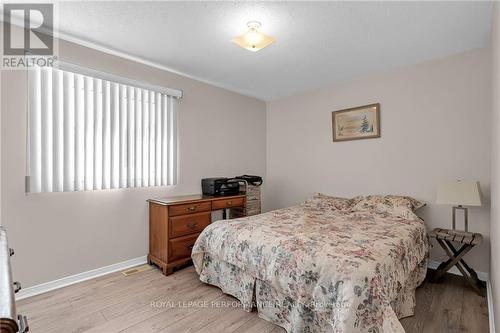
(220, 186)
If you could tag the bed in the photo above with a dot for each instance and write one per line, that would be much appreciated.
(328, 265)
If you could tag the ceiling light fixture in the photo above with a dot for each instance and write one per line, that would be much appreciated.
(253, 40)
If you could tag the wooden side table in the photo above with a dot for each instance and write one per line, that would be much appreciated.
(445, 237)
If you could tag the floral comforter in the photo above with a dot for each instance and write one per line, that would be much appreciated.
(328, 265)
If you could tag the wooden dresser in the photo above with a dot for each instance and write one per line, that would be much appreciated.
(176, 222)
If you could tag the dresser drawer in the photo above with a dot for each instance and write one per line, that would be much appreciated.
(189, 224)
(227, 203)
(189, 208)
(181, 247)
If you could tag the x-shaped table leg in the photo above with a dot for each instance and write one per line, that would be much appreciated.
(456, 259)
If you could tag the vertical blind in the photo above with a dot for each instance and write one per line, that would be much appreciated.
(88, 133)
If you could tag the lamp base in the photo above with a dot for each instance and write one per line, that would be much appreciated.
(466, 217)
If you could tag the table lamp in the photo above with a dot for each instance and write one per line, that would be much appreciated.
(459, 193)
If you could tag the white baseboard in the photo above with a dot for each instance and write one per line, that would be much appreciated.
(69, 280)
(491, 313)
(434, 264)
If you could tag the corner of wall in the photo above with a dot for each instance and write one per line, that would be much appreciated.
(493, 285)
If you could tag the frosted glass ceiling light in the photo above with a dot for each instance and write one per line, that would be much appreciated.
(253, 40)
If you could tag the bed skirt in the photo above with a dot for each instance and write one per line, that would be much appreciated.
(294, 317)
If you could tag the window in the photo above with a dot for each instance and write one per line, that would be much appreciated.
(97, 131)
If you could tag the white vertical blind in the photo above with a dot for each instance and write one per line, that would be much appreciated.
(69, 134)
(79, 134)
(115, 132)
(145, 139)
(58, 105)
(89, 133)
(97, 135)
(138, 137)
(47, 132)
(35, 126)
(123, 135)
(131, 138)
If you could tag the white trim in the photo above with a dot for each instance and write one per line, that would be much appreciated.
(69, 280)
(68, 66)
(491, 313)
(434, 264)
(140, 60)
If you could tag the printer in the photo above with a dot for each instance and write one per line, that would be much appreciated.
(220, 186)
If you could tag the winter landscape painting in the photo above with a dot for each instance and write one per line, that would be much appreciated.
(356, 123)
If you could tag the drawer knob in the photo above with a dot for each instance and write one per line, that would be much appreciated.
(191, 225)
(17, 287)
(190, 247)
(11, 252)
(192, 208)
(229, 203)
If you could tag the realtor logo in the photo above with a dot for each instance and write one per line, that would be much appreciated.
(28, 35)
(37, 36)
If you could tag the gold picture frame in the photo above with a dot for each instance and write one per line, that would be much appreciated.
(362, 122)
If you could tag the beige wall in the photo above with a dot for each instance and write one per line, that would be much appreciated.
(495, 168)
(59, 234)
(435, 127)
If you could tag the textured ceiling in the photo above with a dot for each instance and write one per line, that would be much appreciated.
(318, 43)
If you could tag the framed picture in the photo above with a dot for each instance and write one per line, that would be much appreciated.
(362, 122)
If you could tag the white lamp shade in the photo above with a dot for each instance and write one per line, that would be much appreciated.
(460, 192)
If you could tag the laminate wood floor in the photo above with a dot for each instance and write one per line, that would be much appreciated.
(150, 302)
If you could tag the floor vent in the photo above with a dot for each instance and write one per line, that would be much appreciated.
(136, 270)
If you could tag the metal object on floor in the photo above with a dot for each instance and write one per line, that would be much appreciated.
(10, 322)
(136, 270)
